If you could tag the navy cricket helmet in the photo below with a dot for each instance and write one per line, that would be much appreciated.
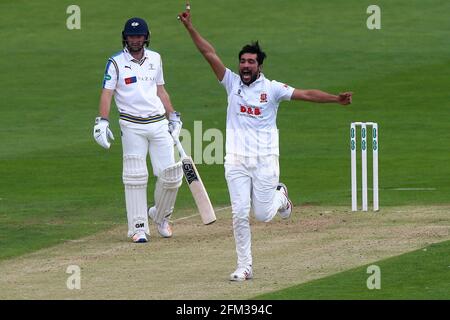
(135, 27)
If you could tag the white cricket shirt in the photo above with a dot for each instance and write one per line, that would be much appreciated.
(134, 83)
(251, 115)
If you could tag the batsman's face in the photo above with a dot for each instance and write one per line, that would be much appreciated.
(249, 68)
(135, 43)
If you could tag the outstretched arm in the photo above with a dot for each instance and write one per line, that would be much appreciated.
(343, 98)
(205, 48)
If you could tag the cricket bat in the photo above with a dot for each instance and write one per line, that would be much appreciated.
(196, 186)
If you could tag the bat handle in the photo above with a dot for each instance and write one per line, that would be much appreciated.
(180, 148)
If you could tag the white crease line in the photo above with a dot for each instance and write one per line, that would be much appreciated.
(195, 215)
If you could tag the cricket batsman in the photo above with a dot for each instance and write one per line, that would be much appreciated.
(251, 161)
(134, 76)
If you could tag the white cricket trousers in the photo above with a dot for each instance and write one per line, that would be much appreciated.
(153, 138)
(139, 140)
(252, 183)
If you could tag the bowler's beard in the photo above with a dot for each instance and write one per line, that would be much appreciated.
(251, 80)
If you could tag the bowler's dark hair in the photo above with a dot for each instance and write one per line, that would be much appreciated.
(253, 48)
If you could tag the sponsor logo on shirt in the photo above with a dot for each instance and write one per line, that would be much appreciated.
(251, 111)
(107, 77)
(146, 78)
(130, 80)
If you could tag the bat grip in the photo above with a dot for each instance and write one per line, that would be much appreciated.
(180, 148)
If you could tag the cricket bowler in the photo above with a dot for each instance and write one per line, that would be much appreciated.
(251, 161)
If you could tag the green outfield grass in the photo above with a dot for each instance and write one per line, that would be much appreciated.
(421, 274)
(58, 184)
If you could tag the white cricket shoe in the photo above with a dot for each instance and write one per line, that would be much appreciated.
(139, 237)
(242, 274)
(285, 212)
(164, 228)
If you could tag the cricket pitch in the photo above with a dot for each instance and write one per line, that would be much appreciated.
(197, 261)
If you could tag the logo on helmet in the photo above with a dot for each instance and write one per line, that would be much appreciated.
(135, 24)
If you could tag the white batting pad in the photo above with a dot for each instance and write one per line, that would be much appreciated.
(166, 191)
(135, 177)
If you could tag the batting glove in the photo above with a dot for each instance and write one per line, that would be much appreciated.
(102, 134)
(175, 124)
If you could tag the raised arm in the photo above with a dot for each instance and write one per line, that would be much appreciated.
(205, 48)
(314, 95)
